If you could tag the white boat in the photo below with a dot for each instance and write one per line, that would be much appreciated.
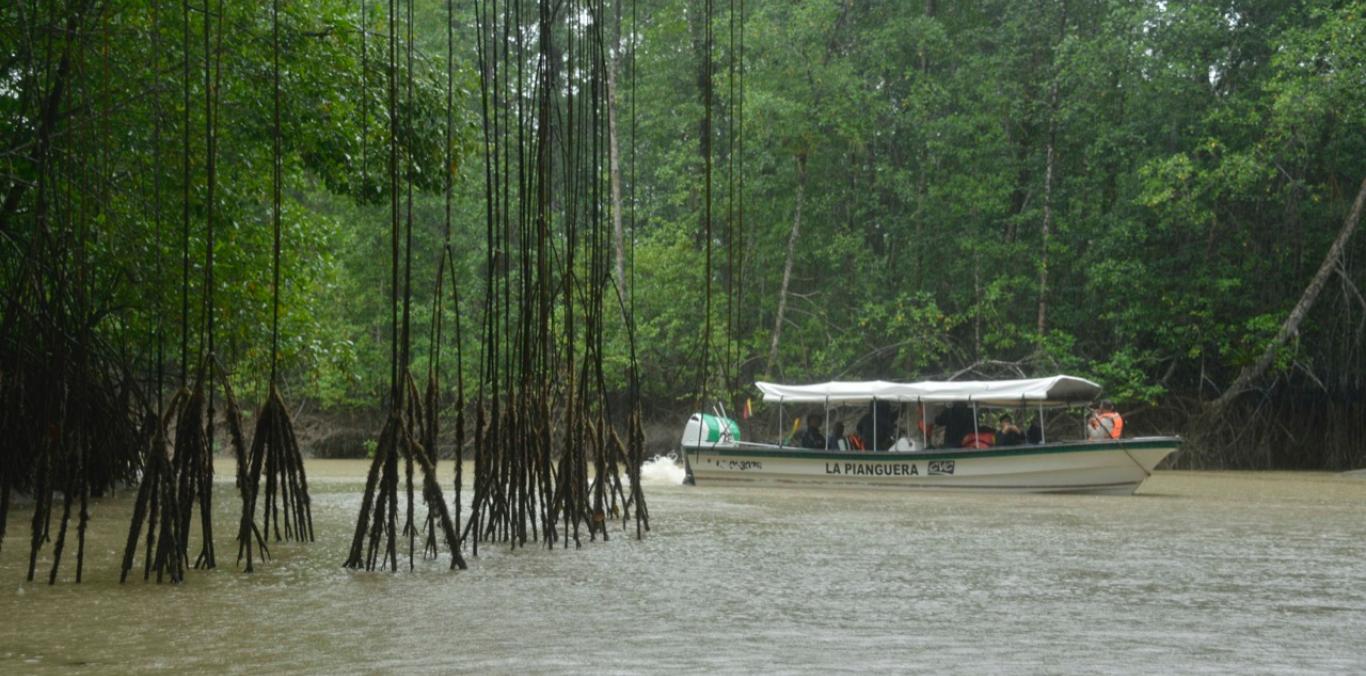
(714, 451)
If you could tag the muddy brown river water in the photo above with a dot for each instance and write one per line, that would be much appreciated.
(1199, 572)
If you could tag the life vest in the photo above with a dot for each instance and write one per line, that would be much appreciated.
(979, 440)
(856, 442)
(1116, 423)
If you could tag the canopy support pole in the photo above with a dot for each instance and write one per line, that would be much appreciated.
(781, 438)
(827, 422)
(975, 436)
(924, 426)
(1043, 434)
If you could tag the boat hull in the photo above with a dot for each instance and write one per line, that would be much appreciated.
(1108, 467)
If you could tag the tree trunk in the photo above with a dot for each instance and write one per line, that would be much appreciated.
(614, 156)
(1301, 309)
(977, 304)
(787, 267)
(1047, 230)
(1050, 160)
(699, 27)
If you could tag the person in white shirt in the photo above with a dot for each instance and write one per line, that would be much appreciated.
(836, 440)
(905, 443)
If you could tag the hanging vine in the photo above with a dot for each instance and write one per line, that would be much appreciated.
(374, 544)
(543, 413)
(274, 449)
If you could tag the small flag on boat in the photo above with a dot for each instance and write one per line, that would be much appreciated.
(747, 411)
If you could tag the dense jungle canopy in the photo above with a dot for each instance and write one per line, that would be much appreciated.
(1135, 192)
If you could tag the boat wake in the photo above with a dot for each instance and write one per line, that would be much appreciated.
(662, 470)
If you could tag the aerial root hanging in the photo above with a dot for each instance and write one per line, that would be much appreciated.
(157, 503)
(75, 485)
(248, 532)
(193, 467)
(417, 425)
(430, 431)
(543, 407)
(233, 416)
(67, 426)
(274, 453)
(635, 452)
(374, 543)
(4, 506)
(284, 473)
(542, 411)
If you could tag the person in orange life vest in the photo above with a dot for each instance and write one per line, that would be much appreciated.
(1104, 423)
(1108, 413)
(957, 423)
(984, 437)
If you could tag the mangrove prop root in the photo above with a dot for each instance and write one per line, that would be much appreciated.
(274, 453)
(156, 503)
(374, 543)
(4, 507)
(193, 470)
(233, 416)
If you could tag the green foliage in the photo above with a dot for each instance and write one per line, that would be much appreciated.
(1204, 155)
(125, 110)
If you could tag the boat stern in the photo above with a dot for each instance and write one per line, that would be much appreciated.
(704, 430)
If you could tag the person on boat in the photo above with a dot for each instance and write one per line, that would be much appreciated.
(881, 416)
(812, 436)
(982, 438)
(957, 423)
(1108, 413)
(836, 440)
(864, 432)
(1035, 433)
(924, 426)
(983, 435)
(1098, 426)
(1008, 434)
(904, 442)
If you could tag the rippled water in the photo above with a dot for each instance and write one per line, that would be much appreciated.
(1200, 572)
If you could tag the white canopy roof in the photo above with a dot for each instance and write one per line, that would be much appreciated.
(1054, 391)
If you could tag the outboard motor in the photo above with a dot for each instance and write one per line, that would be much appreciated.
(704, 429)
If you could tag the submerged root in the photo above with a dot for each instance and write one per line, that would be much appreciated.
(274, 453)
(374, 543)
